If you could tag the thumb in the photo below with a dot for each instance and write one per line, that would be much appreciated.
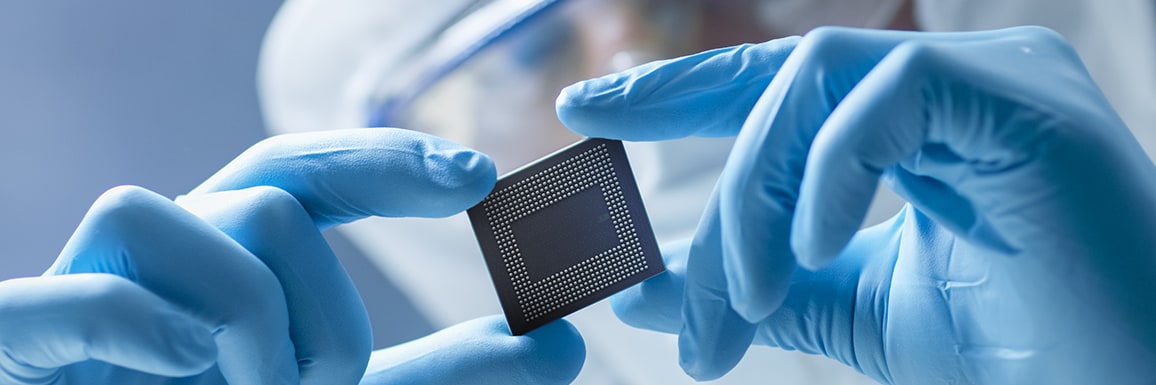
(836, 311)
(839, 310)
(656, 303)
(482, 351)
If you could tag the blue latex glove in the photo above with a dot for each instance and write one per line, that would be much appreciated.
(236, 274)
(1026, 256)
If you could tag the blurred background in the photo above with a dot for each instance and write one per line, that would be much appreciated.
(156, 94)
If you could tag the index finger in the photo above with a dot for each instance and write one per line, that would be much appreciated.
(705, 94)
(340, 176)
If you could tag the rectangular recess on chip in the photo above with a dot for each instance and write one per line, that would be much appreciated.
(565, 232)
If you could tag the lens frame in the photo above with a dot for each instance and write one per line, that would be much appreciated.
(483, 25)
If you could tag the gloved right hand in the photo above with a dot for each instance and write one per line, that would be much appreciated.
(234, 284)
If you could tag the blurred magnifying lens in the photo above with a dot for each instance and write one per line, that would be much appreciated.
(488, 80)
(796, 17)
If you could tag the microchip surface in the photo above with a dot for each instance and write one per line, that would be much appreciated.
(565, 232)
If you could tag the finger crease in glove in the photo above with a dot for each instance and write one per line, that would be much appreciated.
(565, 232)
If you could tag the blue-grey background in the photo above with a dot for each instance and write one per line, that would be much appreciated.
(157, 94)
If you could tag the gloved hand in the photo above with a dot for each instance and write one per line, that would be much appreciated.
(1026, 255)
(236, 274)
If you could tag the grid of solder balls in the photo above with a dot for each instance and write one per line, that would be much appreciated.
(591, 168)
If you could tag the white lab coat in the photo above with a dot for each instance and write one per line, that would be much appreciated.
(319, 53)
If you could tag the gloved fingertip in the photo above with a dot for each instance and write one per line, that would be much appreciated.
(655, 304)
(698, 372)
(463, 168)
(758, 306)
(628, 306)
(697, 368)
(463, 177)
(559, 352)
(825, 220)
(587, 107)
(815, 255)
(713, 339)
(758, 272)
(816, 246)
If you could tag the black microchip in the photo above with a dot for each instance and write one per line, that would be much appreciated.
(565, 232)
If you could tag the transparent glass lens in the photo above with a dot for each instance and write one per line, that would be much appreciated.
(501, 100)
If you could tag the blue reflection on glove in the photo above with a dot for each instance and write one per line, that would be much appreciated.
(237, 274)
(1026, 255)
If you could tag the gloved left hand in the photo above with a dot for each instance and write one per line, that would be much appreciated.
(236, 274)
(1026, 256)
